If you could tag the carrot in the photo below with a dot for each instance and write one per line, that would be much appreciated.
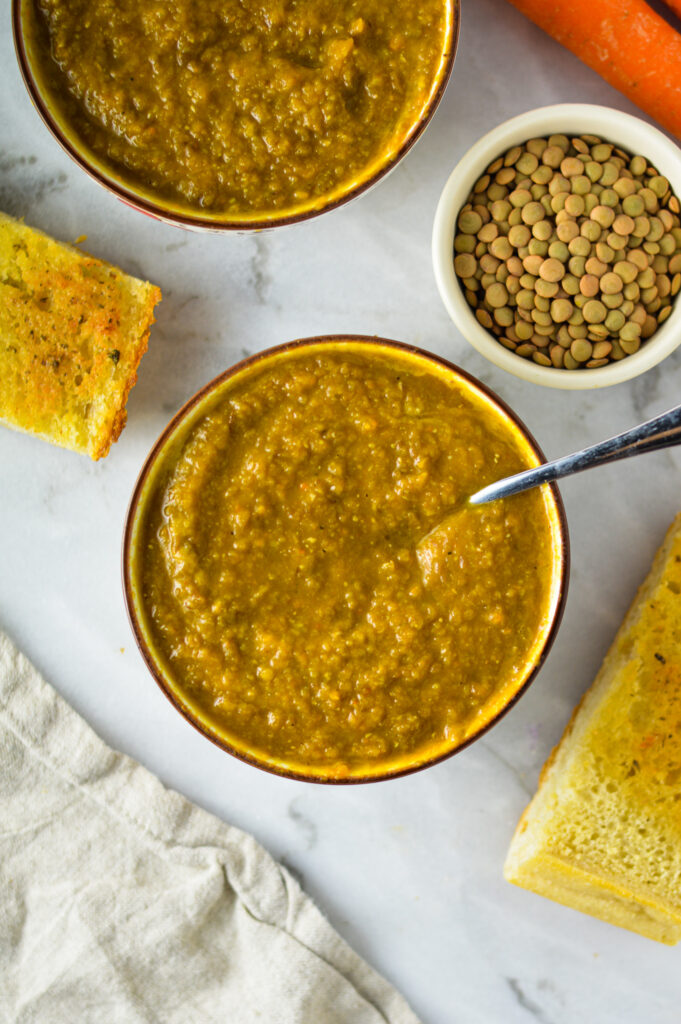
(675, 6)
(626, 42)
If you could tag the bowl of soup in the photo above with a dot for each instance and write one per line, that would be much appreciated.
(221, 115)
(305, 579)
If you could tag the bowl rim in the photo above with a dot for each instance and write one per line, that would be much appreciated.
(613, 125)
(135, 505)
(127, 194)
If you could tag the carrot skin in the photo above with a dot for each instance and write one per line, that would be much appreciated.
(675, 6)
(626, 42)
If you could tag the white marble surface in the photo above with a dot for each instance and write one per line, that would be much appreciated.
(408, 871)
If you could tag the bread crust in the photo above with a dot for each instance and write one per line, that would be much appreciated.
(603, 832)
(73, 330)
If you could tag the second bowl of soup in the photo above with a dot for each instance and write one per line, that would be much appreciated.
(222, 115)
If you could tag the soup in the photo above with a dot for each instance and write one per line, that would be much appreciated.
(310, 580)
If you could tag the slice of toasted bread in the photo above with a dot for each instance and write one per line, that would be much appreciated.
(603, 832)
(72, 332)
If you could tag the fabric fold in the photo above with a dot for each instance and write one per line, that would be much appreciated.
(122, 901)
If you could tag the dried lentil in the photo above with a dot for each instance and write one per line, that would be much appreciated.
(592, 237)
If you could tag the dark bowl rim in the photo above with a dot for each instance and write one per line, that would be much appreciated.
(128, 196)
(134, 505)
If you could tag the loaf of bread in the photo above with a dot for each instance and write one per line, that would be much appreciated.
(72, 333)
(603, 832)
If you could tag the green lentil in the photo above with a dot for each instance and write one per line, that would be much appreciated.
(633, 206)
(504, 316)
(559, 251)
(542, 230)
(527, 163)
(542, 175)
(546, 289)
(567, 230)
(533, 212)
(520, 197)
(553, 156)
(610, 174)
(570, 244)
(574, 205)
(650, 200)
(561, 310)
(594, 312)
(617, 242)
(465, 265)
(552, 270)
(596, 267)
(570, 166)
(537, 248)
(590, 230)
(611, 283)
(658, 185)
(579, 246)
(489, 264)
(496, 192)
(496, 295)
(624, 187)
(603, 215)
(615, 320)
(581, 350)
(623, 225)
(589, 285)
(556, 353)
(536, 146)
(470, 222)
(488, 232)
(638, 165)
(630, 346)
(501, 248)
(580, 185)
(559, 184)
(524, 330)
(464, 243)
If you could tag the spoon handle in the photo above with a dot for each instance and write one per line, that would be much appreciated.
(661, 432)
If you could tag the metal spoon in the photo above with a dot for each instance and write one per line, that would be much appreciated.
(661, 432)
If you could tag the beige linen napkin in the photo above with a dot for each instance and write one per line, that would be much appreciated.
(120, 901)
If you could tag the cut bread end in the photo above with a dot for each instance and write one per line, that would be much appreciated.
(603, 832)
(72, 333)
(585, 891)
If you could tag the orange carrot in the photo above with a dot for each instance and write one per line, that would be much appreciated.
(675, 6)
(626, 42)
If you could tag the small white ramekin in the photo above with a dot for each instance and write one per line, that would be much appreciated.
(625, 131)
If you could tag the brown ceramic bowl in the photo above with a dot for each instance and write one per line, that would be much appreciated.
(146, 201)
(194, 410)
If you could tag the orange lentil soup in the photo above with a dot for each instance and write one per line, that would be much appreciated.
(242, 109)
(287, 580)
